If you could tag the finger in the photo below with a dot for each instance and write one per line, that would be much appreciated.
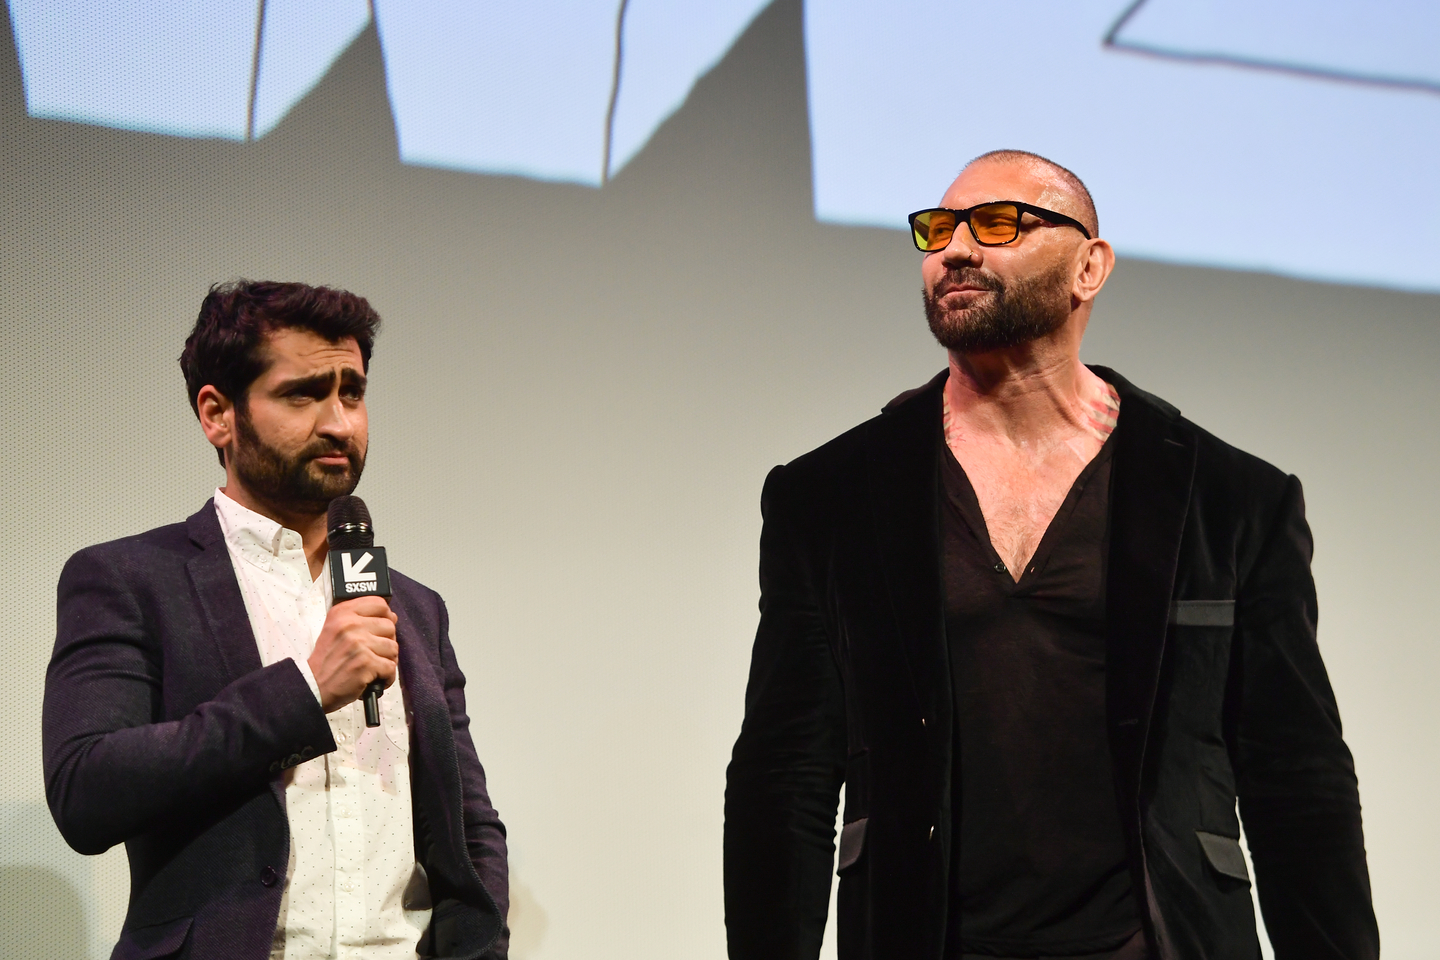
(384, 670)
(384, 647)
(380, 627)
(370, 606)
(363, 627)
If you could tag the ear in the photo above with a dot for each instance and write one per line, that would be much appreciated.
(1097, 259)
(217, 417)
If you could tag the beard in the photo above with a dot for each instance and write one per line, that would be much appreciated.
(1017, 313)
(294, 481)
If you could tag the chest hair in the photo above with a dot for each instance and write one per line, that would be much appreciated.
(1021, 486)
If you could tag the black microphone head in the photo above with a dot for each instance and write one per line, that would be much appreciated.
(348, 523)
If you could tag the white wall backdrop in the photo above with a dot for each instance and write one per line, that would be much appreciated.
(575, 400)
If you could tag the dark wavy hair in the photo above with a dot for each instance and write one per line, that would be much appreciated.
(225, 349)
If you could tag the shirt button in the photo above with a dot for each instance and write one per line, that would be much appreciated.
(999, 568)
(347, 886)
(341, 736)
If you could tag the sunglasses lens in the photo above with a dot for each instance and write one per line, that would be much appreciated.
(933, 229)
(995, 223)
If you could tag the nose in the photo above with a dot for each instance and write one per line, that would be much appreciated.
(962, 250)
(336, 421)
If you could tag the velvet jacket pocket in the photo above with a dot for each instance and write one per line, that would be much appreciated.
(1224, 855)
(852, 844)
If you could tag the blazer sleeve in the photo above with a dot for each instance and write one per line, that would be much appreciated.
(114, 767)
(783, 782)
(484, 833)
(1298, 793)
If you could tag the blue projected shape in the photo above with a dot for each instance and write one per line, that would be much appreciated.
(1167, 146)
(166, 66)
(1379, 41)
(667, 47)
(519, 87)
(1347, 106)
(514, 87)
(299, 41)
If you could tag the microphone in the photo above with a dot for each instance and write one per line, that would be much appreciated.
(357, 569)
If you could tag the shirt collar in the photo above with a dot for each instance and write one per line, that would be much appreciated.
(258, 539)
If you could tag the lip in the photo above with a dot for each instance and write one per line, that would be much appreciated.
(333, 458)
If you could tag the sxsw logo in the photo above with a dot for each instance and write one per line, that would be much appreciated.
(355, 574)
(359, 573)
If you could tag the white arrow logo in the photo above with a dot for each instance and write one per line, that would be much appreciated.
(355, 572)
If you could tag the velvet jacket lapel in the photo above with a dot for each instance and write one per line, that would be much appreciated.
(1154, 469)
(903, 476)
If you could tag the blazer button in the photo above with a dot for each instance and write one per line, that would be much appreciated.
(307, 754)
(293, 760)
(275, 767)
(268, 877)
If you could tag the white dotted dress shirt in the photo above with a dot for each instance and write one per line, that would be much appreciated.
(352, 886)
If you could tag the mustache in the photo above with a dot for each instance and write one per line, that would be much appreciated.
(329, 448)
(967, 277)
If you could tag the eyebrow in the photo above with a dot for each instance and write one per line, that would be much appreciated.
(321, 382)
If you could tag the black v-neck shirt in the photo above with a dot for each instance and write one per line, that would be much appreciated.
(1039, 866)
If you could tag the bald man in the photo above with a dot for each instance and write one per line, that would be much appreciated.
(1046, 632)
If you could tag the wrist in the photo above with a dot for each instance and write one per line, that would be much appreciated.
(309, 674)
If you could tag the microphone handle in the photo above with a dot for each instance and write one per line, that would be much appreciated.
(372, 702)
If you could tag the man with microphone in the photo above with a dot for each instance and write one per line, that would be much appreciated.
(203, 703)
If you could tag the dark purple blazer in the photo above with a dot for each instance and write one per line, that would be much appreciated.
(162, 731)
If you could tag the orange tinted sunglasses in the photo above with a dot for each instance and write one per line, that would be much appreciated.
(992, 224)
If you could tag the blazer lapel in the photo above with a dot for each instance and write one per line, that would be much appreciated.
(424, 697)
(437, 793)
(213, 578)
(1150, 496)
(903, 476)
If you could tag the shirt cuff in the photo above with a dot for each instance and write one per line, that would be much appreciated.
(309, 676)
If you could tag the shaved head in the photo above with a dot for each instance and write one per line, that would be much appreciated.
(1071, 185)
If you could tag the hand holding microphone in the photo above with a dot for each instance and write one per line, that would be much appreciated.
(356, 648)
(356, 652)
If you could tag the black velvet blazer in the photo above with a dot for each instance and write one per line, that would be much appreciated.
(162, 731)
(1215, 690)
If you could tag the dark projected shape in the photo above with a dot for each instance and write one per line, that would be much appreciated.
(1393, 43)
